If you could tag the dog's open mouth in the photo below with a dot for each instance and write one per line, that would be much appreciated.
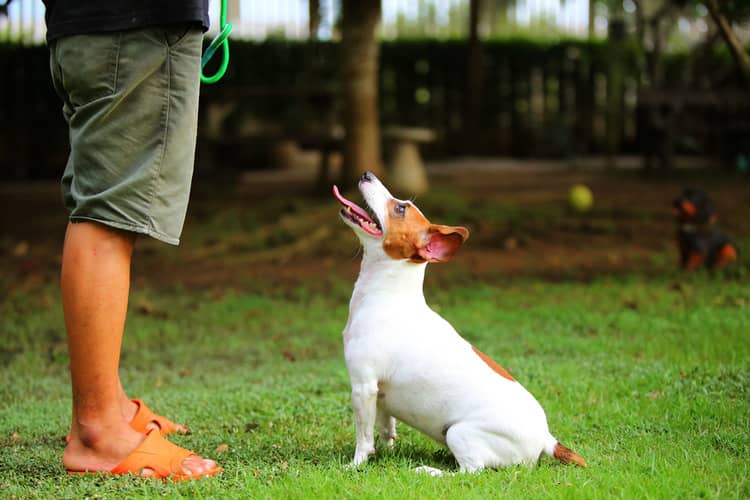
(357, 215)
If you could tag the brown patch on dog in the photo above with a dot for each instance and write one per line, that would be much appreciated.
(568, 456)
(404, 232)
(409, 235)
(727, 255)
(689, 208)
(495, 367)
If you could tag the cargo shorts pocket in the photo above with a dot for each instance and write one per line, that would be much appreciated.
(172, 35)
(88, 66)
(176, 33)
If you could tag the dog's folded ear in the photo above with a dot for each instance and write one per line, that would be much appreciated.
(443, 242)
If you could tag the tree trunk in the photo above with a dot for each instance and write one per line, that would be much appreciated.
(615, 86)
(360, 20)
(730, 38)
(313, 10)
(472, 99)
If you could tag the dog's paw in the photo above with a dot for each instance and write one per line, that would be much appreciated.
(423, 469)
(360, 457)
(388, 439)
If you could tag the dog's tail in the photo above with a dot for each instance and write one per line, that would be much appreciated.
(564, 454)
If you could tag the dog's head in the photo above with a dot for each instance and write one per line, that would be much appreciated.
(694, 206)
(398, 227)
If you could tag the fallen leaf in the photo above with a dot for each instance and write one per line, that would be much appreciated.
(21, 249)
(222, 448)
(145, 308)
(613, 258)
(631, 304)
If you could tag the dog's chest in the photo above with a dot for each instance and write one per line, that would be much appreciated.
(390, 321)
(399, 344)
(379, 316)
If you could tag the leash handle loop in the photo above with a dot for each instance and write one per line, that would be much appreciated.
(220, 40)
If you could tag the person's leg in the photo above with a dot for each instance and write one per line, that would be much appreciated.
(95, 281)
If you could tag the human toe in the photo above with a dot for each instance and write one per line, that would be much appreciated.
(197, 465)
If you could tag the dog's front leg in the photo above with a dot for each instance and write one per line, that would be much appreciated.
(364, 401)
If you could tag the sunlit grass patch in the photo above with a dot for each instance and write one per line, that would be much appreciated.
(648, 379)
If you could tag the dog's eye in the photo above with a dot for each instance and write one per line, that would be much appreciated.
(400, 209)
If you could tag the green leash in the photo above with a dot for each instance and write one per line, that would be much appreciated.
(222, 39)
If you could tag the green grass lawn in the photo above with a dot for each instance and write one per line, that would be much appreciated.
(647, 378)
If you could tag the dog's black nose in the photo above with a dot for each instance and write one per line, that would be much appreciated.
(366, 177)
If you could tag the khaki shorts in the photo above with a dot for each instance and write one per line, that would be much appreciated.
(131, 102)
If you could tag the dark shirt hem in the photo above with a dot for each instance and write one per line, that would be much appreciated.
(74, 17)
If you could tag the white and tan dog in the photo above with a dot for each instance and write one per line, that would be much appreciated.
(408, 363)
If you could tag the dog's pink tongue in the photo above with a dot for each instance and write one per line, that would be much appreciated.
(350, 204)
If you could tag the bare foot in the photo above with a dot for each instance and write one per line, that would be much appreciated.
(102, 449)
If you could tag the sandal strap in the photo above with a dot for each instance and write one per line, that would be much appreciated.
(144, 416)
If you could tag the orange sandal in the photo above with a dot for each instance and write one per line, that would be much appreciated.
(159, 455)
(144, 416)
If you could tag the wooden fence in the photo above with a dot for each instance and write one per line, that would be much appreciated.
(536, 100)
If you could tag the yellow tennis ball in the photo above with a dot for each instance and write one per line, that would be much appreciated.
(581, 198)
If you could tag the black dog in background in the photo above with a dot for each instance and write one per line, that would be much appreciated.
(700, 241)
